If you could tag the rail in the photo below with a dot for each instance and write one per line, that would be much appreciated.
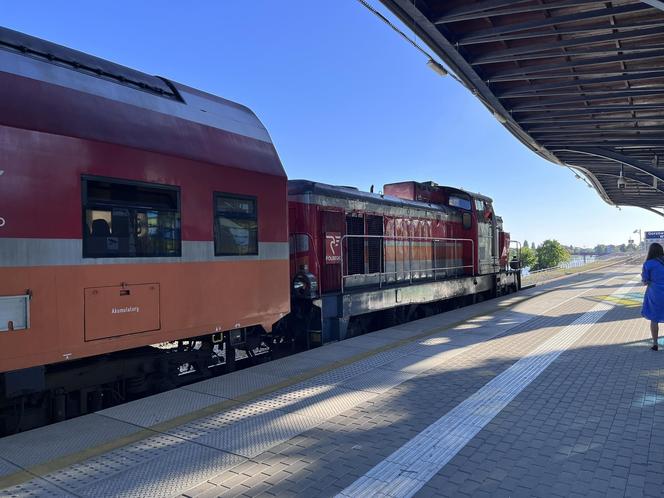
(544, 274)
(406, 242)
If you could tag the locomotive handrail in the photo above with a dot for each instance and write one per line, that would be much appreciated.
(517, 254)
(410, 270)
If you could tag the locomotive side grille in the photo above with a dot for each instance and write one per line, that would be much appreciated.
(355, 245)
(374, 245)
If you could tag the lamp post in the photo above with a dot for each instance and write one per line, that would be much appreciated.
(638, 230)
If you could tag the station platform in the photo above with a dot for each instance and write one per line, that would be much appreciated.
(552, 391)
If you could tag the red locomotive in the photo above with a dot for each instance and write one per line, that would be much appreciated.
(136, 211)
(355, 255)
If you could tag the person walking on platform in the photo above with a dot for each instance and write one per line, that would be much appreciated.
(653, 301)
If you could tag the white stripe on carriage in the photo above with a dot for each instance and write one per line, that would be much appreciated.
(16, 252)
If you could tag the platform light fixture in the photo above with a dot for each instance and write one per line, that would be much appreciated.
(437, 67)
(638, 230)
(621, 180)
(499, 117)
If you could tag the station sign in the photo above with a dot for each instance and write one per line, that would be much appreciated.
(651, 237)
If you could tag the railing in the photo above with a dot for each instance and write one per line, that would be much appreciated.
(514, 255)
(514, 248)
(404, 244)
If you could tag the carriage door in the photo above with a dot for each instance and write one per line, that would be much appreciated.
(485, 238)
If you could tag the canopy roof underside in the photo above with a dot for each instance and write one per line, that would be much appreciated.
(581, 82)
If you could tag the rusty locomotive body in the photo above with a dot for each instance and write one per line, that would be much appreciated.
(135, 211)
(356, 255)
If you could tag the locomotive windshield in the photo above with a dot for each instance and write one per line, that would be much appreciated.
(460, 202)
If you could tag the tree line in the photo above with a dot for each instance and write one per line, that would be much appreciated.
(548, 254)
(601, 249)
(552, 253)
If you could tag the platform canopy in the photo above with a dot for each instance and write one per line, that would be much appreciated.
(580, 82)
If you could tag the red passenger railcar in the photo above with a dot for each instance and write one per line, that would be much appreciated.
(133, 211)
(357, 253)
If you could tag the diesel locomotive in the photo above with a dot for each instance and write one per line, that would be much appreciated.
(362, 260)
(148, 231)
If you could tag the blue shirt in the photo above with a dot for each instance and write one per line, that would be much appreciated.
(653, 300)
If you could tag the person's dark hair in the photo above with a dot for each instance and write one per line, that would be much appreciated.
(655, 251)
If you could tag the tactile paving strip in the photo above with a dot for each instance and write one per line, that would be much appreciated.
(319, 402)
(338, 375)
(71, 436)
(333, 352)
(35, 488)
(160, 407)
(399, 333)
(429, 348)
(180, 468)
(370, 341)
(378, 380)
(413, 364)
(119, 461)
(219, 421)
(232, 385)
(441, 320)
(289, 367)
(379, 359)
(341, 374)
(257, 434)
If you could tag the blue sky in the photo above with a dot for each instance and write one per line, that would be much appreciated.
(345, 99)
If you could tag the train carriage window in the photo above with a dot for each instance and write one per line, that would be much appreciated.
(235, 225)
(125, 219)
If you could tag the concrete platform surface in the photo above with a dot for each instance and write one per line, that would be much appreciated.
(549, 392)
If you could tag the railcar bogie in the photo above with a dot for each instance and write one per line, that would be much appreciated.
(39, 395)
